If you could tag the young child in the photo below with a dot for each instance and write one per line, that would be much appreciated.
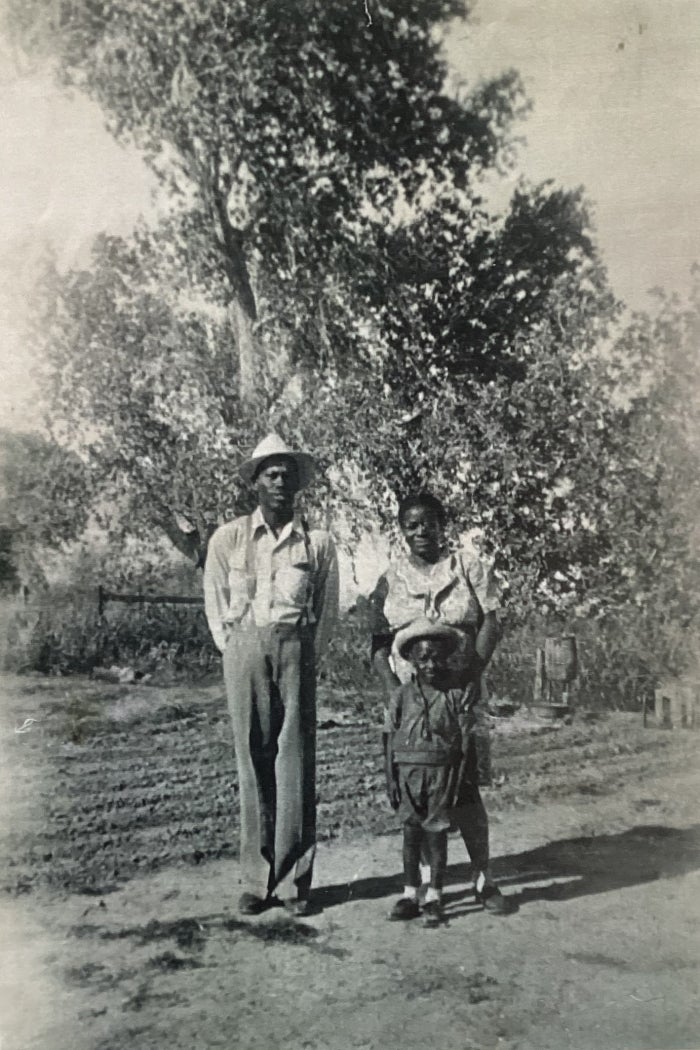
(427, 727)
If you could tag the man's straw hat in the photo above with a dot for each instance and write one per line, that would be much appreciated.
(273, 445)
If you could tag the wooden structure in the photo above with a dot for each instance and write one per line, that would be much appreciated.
(556, 667)
(676, 704)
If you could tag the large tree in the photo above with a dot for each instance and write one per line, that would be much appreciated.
(137, 353)
(328, 265)
(287, 137)
(282, 120)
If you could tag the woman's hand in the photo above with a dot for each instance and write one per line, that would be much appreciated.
(392, 699)
(486, 639)
(382, 667)
(390, 774)
(393, 790)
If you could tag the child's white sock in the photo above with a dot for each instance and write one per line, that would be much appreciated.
(480, 882)
(410, 893)
(425, 874)
(431, 894)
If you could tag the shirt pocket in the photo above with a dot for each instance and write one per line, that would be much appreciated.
(238, 590)
(293, 582)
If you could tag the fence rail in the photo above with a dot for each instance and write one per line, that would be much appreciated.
(104, 596)
(83, 628)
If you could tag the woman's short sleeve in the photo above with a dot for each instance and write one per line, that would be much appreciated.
(382, 634)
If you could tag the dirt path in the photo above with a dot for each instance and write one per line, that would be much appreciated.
(602, 953)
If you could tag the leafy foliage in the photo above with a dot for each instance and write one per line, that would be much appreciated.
(43, 489)
(329, 267)
(279, 121)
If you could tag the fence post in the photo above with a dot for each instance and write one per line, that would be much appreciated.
(539, 676)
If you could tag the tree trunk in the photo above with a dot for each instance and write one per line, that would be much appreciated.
(246, 345)
(242, 310)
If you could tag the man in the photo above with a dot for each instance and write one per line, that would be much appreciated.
(271, 599)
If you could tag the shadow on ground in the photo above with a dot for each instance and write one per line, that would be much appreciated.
(563, 870)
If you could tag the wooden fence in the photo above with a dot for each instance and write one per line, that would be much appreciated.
(104, 596)
(34, 626)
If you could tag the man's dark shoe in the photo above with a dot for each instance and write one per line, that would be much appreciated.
(491, 899)
(249, 904)
(432, 913)
(405, 908)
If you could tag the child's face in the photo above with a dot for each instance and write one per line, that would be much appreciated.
(429, 659)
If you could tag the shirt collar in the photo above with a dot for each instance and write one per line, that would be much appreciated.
(429, 692)
(425, 579)
(258, 522)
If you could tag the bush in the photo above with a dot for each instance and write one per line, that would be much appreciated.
(71, 637)
(346, 667)
(620, 660)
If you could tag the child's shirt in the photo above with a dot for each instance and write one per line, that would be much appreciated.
(429, 726)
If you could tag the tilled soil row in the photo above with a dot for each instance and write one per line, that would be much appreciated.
(135, 780)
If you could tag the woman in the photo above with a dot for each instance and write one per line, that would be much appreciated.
(453, 587)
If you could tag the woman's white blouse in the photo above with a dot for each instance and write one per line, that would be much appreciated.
(458, 590)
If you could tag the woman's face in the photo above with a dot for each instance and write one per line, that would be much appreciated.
(422, 532)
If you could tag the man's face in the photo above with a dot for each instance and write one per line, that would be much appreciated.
(276, 484)
(429, 658)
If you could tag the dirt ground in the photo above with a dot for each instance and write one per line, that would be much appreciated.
(118, 882)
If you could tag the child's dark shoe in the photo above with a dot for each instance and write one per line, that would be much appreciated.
(432, 913)
(405, 908)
